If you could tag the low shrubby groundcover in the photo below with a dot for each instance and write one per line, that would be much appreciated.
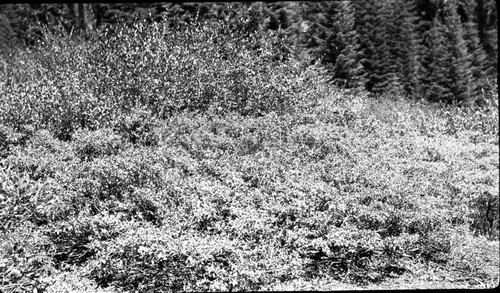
(207, 157)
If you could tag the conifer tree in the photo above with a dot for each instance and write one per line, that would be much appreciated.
(392, 50)
(408, 48)
(344, 49)
(460, 67)
(318, 14)
(365, 22)
(375, 22)
(449, 62)
(438, 80)
(480, 69)
(7, 36)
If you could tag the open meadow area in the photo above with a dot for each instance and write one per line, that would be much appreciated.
(189, 157)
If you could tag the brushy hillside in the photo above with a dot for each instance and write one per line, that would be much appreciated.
(143, 162)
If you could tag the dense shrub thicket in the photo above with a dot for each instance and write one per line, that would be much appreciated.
(203, 158)
(65, 84)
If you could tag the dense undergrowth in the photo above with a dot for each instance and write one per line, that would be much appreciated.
(143, 162)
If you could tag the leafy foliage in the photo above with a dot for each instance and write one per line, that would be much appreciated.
(198, 158)
(156, 69)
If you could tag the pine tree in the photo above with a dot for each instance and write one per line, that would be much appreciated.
(491, 34)
(375, 24)
(7, 36)
(460, 67)
(449, 62)
(344, 49)
(437, 83)
(393, 50)
(480, 69)
(407, 47)
(315, 40)
(365, 22)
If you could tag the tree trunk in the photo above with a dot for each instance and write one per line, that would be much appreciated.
(481, 19)
(81, 18)
(98, 15)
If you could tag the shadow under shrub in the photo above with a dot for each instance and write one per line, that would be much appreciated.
(72, 242)
(137, 127)
(10, 138)
(89, 145)
(150, 259)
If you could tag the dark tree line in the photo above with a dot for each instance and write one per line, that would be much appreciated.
(440, 50)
